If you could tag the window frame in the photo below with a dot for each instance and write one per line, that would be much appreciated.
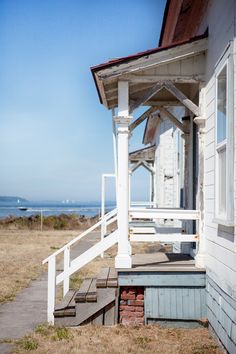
(226, 218)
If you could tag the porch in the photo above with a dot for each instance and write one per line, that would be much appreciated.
(161, 79)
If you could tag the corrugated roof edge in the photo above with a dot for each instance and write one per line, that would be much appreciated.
(122, 60)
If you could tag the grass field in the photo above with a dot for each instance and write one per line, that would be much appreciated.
(21, 253)
(118, 340)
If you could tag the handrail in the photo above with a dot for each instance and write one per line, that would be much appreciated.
(155, 213)
(79, 237)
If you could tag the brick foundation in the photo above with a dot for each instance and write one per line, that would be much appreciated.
(131, 305)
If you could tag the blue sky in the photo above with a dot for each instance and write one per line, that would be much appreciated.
(55, 136)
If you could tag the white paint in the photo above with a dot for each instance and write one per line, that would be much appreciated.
(163, 238)
(123, 258)
(66, 282)
(123, 101)
(51, 289)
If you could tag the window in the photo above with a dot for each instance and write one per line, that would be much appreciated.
(224, 142)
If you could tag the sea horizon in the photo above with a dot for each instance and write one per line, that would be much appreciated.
(28, 208)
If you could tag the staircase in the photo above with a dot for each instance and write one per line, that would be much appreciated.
(68, 307)
(94, 302)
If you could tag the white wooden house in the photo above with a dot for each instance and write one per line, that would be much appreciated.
(194, 188)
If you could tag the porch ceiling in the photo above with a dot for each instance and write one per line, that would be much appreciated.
(183, 64)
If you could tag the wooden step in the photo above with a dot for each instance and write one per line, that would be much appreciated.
(91, 295)
(101, 312)
(107, 278)
(66, 308)
(112, 281)
(87, 291)
(102, 278)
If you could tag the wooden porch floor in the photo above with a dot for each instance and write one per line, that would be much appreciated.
(164, 262)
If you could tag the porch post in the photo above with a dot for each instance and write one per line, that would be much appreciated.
(201, 251)
(123, 258)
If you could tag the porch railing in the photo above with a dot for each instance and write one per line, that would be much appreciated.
(143, 227)
(70, 266)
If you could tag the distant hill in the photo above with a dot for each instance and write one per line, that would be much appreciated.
(12, 199)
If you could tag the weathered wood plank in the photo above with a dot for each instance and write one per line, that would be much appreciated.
(102, 278)
(142, 118)
(112, 281)
(67, 301)
(98, 318)
(82, 292)
(92, 292)
(172, 118)
(109, 314)
(182, 98)
(147, 95)
(162, 278)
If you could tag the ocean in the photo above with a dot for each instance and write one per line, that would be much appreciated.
(51, 208)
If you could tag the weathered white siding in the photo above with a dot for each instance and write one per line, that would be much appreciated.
(167, 193)
(221, 256)
(220, 240)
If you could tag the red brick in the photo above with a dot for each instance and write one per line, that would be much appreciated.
(127, 297)
(123, 302)
(139, 309)
(126, 314)
(136, 314)
(127, 308)
(133, 302)
(140, 297)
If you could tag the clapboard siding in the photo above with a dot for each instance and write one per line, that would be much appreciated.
(221, 275)
(221, 312)
(228, 257)
(221, 260)
(220, 22)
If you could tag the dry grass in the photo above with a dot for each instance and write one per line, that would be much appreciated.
(21, 254)
(118, 340)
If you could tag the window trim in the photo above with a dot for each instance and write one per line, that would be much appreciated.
(226, 219)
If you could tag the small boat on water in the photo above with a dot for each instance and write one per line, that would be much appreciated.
(22, 208)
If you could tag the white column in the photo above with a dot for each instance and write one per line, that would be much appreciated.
(201, 251)
(123, 258)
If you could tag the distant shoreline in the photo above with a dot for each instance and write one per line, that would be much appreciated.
(51, 222)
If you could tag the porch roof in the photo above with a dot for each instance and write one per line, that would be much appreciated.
(181, 63)
(147, 154)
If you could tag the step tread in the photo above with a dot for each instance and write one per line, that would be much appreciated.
(69, 312)
(84, 311)
(91, 295)
(67, 301)
(83, 290)
(112, 281)
(102, 278)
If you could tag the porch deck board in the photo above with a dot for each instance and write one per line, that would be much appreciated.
(164, 262)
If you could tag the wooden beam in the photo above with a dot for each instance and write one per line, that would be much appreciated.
(172, 118)
(182, 98)
(114, 93)
(147, 95)
(190, 79)
(142, 118)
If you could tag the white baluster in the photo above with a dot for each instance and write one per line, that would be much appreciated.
(66, 282)
(51, 288)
